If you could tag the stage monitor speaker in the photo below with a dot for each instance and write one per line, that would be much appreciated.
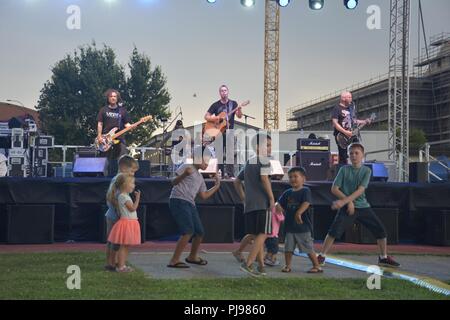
(316, 164)
(218, 222)
(30, 224)
(90, 167)
(359, 234)
(379, 172)
(418, 172)
(437, 227)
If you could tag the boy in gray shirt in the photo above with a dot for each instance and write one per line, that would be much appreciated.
(258, 201)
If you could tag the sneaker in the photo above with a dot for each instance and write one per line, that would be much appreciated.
(238, 256)
(249, 270)
(321, 260)
(271, 263)
(388, 262)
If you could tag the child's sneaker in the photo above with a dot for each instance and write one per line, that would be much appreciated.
(271, 263)
(321, 260)
(388, 262)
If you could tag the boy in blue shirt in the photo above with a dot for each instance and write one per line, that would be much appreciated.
(295, 203)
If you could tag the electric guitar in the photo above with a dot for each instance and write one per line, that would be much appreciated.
(110, 138)
(344, 141)
(212, 129)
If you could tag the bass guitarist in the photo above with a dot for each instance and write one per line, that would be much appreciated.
(111, 116)
(224, 105)
(343, 117)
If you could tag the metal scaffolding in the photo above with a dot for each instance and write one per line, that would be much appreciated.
(271, 65)
(398, 104)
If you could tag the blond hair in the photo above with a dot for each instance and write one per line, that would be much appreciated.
(115, 186)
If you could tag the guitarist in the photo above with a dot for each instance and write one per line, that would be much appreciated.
(343, 117)
(227, 105)
(113, 115)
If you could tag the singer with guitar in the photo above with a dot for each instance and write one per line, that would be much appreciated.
(212, 117)
(344, 117)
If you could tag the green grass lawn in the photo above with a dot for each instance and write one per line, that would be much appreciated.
(43, 276)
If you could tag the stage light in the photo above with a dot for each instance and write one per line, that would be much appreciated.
(316, 4)
(248, 3)
(211, 1)
(283, 3)
(351, 4)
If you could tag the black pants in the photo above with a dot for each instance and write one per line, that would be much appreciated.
(113, 154)
(365, 216)
(227, 169)
(343, 154)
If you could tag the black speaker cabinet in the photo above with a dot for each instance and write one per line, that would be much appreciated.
(437, 227)
(30, 224)
(218, 223)
(160, 223)
(323, 218)
(418, 172)
(142, 216)
(317, 164)
(359, 234)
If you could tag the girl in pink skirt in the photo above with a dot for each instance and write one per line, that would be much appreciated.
(126, 232)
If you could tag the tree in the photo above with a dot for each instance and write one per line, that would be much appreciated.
(146, 94)
(70, 100)
(417, 139)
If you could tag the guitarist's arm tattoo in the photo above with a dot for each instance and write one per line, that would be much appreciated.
(99, 128)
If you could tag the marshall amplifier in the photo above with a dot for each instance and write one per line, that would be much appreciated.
(313, 145)
(316, 164)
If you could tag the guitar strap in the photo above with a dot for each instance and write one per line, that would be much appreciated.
(229, 108)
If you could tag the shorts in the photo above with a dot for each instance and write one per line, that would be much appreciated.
(186, 216)
(258, 222)
(303, 241)
(109, 225)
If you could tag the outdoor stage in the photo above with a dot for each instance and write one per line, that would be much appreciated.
(412, 213)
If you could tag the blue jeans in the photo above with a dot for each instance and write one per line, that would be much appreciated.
(186, 216)
(272, 245)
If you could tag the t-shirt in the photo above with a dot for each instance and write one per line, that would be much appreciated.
(255, 196)
(344, 117)
(349, 179)
(218, 107)
(190, 186)
(111, 213)
(291, 201)
(124, 212)
(113, 118)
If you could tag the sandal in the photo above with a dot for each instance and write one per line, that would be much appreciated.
(199, 262)
(286, 269)
(178, 265)
(315, 270)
